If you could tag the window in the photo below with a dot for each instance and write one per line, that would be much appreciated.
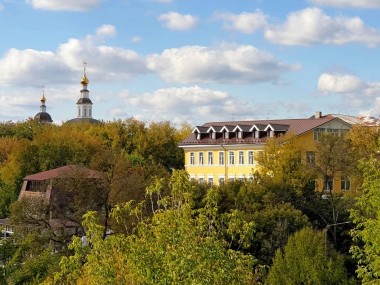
(210, 158)
(192, 178)
(221, 158)
(226, 135)
(210, 181)
(221, 180)
(345, 183)
(310, 157)
(318, 132)
(201, 180)
(200, 158)
(213, 135)
(328, 184)
(241, 177)
(231, 178)
(192, 158)
(78, 112)
(241, 157)
(198, 136)
(84, 112)
(250, 157)
(90, 112)
(257, 134)
(240, 135)
(231, 158)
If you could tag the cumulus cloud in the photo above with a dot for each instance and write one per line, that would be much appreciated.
(106, 30)
(341, 83)
(186, 104)
(245, 22)
(222, 64)
(178, 22)
(312, 26)
(30, 67)
(356, 92)
(67, 5)
(348, 3)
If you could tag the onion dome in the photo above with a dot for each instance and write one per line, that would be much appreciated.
(43, 116)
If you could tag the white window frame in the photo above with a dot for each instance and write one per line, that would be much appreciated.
(210, 156)
(192, 158)
(310, 157)
(251, 157)
(346, 182)
(201, 158)
(210, 180)
(241, 157)
(231, 157)
(221, 158)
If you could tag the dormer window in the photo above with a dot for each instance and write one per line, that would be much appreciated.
(257, 134)
(213, 135)
(226, 135)
(198, 136)
(271, 133)
(239, 134)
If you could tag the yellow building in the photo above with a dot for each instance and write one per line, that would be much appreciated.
(224, 151)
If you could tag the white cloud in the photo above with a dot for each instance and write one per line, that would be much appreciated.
(106, 30)
(312, 26)
(1, 7)
(66, 5)
(245, 22)
(178, 22)
(31, 68)
(34, 68)
(222, 64)
(186, 104)
(348, 3)
(356, 93)
(340, 83)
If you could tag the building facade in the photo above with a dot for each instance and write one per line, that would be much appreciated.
(217, 152)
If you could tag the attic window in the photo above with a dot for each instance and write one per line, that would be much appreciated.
(271, 133)
(226, 135)
(213, 135)
(36, 186)
(257, 134)
(198, 136)
(239, 134)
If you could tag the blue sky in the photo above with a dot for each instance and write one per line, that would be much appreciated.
(189, 60)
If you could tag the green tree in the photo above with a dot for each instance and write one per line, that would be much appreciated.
(307, 259)
(365, 216)
(175, 246)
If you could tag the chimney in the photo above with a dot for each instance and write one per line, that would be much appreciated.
(318, 115)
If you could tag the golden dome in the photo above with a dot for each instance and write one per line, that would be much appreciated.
(84, 80)
(43, 99)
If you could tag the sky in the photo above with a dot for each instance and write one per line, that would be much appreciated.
(190, 61)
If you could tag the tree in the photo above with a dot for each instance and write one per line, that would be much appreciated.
(175, 246)
(281, 164)
(365, 216)
(307, 259)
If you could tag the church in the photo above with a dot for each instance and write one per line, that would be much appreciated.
(84, 105)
